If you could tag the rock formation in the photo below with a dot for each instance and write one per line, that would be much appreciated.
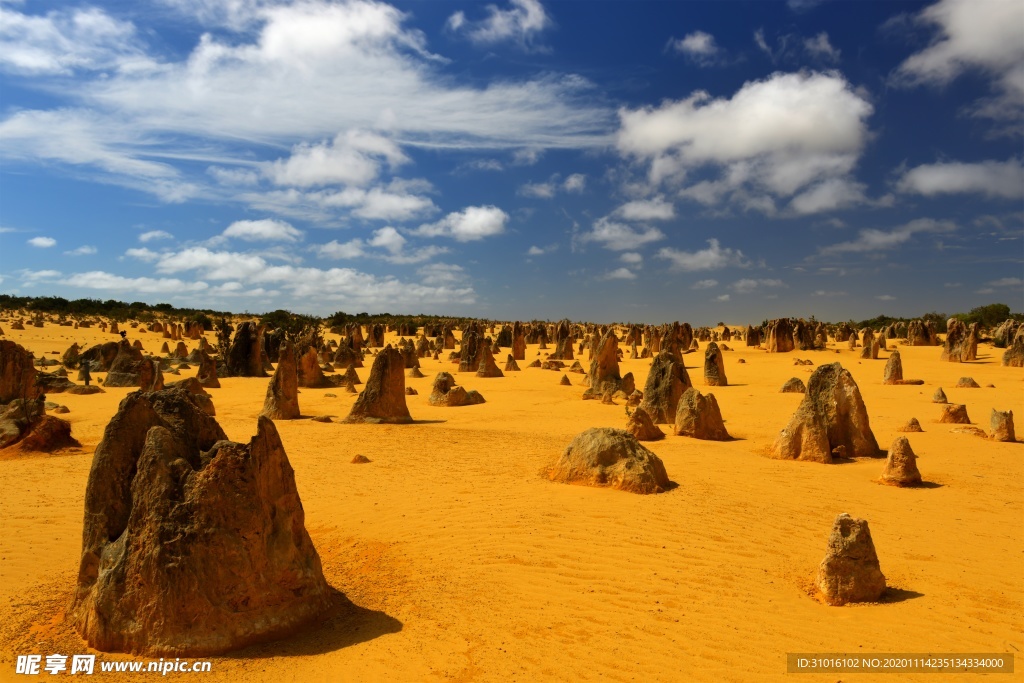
(282, 401)
(699, 417)
(642, 427)
(893, 372)
(780, 336)
(912, 426)
(445, 392)
(610, 457)
(954, 413)
(511, 365)
(487, 367)
(604, 370)
(130, 368)
(714, 367)
(666, 382)
(967, 383)
(1001, 424)
(193, 545)
(939, 396)
(850, 571)
(17, 374)
(1014, 356)
(383, 398)
(831, 421)
(793, 385)
(245, 355)
(901, 465)
(207, 373)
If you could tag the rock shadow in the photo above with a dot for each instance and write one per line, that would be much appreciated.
(345, 624)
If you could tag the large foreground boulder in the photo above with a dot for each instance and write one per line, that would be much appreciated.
(610, 457)
(830, 422)
(17, 374)
(192, 545)
(850, 571)
(383, 397)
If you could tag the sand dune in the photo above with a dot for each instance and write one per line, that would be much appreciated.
(462, 563)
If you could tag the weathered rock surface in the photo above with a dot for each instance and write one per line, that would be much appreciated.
(192, 545)
(901, 465)
(445, 392)
(954, 413)
(642, 427)
(714, 367)
(666, 382)
(698, 416)
(282, 400)
(1001, 424)
(383, 398)
(793, 385)
(831, 421)
(850, 571)
(610, 457)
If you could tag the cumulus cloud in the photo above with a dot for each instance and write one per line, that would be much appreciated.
(1004, 180)
(327, 287)
(389, 244)
(1007, 282)
(342, 250)
(151, 235)
(704, 284)
(442, 274)
(469, 225)
(655, 208)
(986, 36)
(84, 250)
(537, 190)
(819, 47)
(722, 297)
(540, 251)
(574, 183)
(143, 254)
(620, 274)
(42, 242)
(699, 47)
(873, 239)
(749, 285)
(296, 76)
(632, 258)
(352, 158)
(617, 236)
(521, 24)
(784, 135)
(712, 258)
(263, 230)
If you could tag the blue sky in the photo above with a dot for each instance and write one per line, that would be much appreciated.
(613, 160)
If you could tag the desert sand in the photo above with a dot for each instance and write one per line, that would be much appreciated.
(462, 563)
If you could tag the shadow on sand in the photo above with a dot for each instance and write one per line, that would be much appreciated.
(893, 595)
(345, 625)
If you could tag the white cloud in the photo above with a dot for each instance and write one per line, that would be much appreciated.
(819, 47)
(885, 297)
(540, 251)
(722, 297)
(619, 236)
(347, 250)
(1007, 282)
(151, 235)
(353, 158)
(698, 46)
(974, 35)
(873, 239)
(527, 156)
(33, 275)
(299, 73)
(143, 254)
(98, 279)
(652, 209)
(704, 284)
(831, 194)
(442, 274)
(469, 225)
(620, 274)
(748, 285)
(233, 176)
(388, 238)
(42, 242)
(712, 258)
(521, 24)
(65, 41)
(537, 190)
(991, 178)
(263, 230)
(774, 137)
(632, 258)
(828, 293)
(575, 182)
(84, 250)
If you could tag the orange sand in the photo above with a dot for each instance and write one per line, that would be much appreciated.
(463, 564)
